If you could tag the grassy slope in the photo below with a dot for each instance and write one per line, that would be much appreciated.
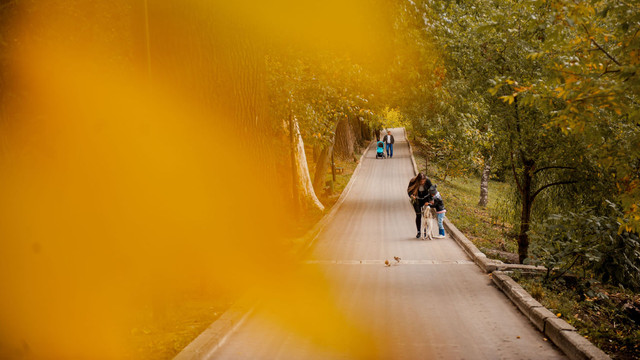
(183, 321)
(483, 226)
(606, 315)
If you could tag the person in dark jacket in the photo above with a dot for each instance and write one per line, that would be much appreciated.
(418, 191)
(388, 140)
(435, 201)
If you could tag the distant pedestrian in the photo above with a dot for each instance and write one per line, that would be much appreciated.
(388, 139)
(418, 191)
(435, 201)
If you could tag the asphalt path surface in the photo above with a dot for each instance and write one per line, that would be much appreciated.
(433, 304)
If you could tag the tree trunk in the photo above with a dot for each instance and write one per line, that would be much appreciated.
(345, 140)
(317, 152)
(366, 130)
(524, 187)
(525, 216)
(324, 161)
(446, 171)
(484, 183)
(305, 187)
(333, 169)
(356, 127)
(294, 176)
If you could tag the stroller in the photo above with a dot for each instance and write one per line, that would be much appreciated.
(380, 150)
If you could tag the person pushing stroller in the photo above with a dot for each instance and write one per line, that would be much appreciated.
(389, 140)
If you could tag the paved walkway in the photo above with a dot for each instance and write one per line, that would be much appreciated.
(344, 303)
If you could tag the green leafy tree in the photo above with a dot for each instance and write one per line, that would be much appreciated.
(427, 100)
(589, 239)
(330, 97)
(488, 46)
(592, 52)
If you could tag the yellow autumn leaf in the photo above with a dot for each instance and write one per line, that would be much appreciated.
(507, 98)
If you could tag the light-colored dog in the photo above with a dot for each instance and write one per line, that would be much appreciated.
(427, 223)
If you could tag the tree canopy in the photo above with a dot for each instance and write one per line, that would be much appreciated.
(548, 90)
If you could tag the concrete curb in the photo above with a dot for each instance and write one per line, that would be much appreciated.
(486, 264)
(561, 333)
(557, 330)
(216, 334)
(524, 268)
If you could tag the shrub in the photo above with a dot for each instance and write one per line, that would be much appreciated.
(591, 242)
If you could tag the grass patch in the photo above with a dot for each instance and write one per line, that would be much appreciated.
(162, 334)
(330, 197)
(607, 316)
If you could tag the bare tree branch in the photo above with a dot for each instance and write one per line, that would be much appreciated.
(552, 184)
(593, 41)
(554, 167)
(630, 76)
(607, 71)
(605, 52)
(591, 97)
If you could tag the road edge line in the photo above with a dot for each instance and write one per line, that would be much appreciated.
(214, 336)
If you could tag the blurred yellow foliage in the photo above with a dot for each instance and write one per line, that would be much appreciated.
(119, 190)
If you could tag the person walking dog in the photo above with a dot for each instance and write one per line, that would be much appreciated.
(418, 191)
(389, 140)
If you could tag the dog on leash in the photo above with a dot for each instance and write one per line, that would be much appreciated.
(427, 222)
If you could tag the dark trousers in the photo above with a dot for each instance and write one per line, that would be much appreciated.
(417, 206)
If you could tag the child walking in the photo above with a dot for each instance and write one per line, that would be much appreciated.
(437, 203)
